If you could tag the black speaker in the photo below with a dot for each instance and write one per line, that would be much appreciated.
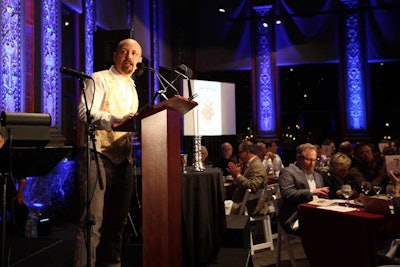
(237, 233)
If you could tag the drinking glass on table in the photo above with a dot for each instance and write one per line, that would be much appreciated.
(346, 192)
(377, 189)
(366, 187)
(389, 191)
(183, 162)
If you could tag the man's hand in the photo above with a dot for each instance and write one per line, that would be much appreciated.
(233, 169)
(128, 117)
(321, 192)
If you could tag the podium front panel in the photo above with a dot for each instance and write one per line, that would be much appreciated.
(161, 189)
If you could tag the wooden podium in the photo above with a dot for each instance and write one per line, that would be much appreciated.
(161, 181)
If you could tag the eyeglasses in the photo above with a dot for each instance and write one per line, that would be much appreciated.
(365, 152)
(310, 159)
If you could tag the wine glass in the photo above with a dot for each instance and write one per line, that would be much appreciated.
(346, 192)
(389, 191)
(184, 162)
(366, 187)
(377, 189)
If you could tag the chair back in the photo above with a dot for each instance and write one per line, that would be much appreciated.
(250, 196)
(283, 235)
(272, 194)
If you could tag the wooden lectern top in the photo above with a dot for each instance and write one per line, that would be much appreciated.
(178, 103)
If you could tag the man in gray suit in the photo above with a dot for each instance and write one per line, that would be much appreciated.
(299, 183)
(251, 175)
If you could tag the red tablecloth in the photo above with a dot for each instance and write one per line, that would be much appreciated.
(333, 239)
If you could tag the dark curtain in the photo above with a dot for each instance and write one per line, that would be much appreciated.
(383, 30)
(308, 32)
(222, 40)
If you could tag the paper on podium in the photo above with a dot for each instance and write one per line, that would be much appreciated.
(177, 103)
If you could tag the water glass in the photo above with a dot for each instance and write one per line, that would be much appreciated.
(390, 191)
(346, 192)
(366, 187)
(377, 189)
(183, 162)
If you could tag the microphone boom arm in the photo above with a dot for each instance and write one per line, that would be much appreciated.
(164, 84)
(163, 80)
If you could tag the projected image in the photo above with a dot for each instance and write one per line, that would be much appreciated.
(215, 113)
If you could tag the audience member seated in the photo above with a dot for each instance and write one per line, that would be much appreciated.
(396, 196)
(204, 157)
(299, 183)
(226, 156)
(368, 166)
(273, 157)
(322, 163)
(331, 145)
(345, 147)
(338, 175)
(251, 175)
(262, 153)
(391, 149)
(389, 235)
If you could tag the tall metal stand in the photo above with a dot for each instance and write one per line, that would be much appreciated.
(197, 164)
(90, 130)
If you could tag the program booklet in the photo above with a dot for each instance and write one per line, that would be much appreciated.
(323, 202)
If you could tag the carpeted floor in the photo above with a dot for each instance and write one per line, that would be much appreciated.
(267, 257)
(44, 252)
(286, 263)
(56, 249)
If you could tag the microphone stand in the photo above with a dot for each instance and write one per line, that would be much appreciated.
(187, 74)
(164, 84)
(90, 136)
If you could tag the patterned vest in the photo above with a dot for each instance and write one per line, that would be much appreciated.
(117, 146)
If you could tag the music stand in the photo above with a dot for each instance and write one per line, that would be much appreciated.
(24, 153)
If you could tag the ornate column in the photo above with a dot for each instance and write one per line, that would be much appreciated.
(50, 60)
(263, 75)
(155, 52)
(90, 18)
(354, 70)
(12, 55)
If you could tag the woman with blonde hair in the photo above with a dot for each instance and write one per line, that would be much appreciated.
(337, 175)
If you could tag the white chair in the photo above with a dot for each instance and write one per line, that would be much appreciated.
(266, 219)
(283, 236)
(272, 194)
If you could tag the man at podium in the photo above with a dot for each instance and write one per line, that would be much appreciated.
(111, 97)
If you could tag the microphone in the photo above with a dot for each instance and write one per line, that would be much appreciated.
(184, 71)
(74, 73)
(139, 69)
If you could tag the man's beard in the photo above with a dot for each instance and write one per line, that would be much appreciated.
(228, 156)
(127, 69)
